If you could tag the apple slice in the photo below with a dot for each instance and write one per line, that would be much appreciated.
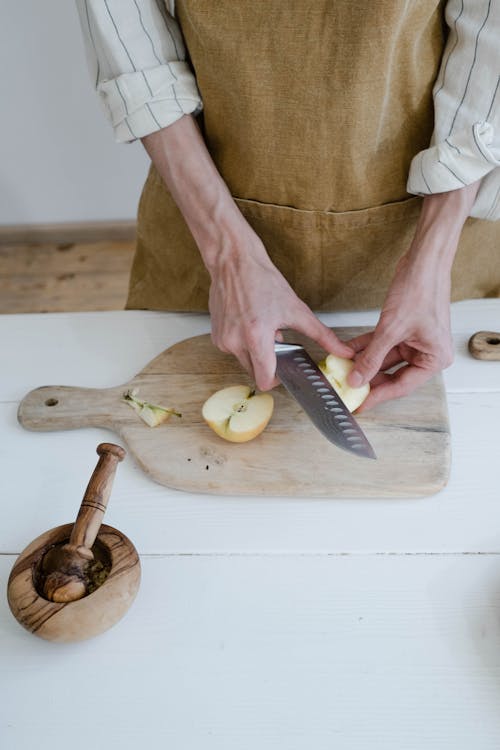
(237, 414)
(336, 369)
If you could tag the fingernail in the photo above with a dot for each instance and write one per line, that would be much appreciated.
(355, 378)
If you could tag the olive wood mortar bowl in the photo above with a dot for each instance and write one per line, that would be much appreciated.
(98, 610)
(83, 618)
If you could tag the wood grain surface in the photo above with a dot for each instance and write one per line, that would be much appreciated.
(84, 618)
(485, 345)
(64, 275)
(65, 567)
(290, 458)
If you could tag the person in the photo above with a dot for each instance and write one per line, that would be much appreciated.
(310, 156)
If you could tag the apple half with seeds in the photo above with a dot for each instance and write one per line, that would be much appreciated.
(336, 369)
(237, 413)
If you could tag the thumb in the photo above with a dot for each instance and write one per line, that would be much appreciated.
(368, 364)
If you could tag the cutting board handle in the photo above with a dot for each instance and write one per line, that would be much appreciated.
(60, 407)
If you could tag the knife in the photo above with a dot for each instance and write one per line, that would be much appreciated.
(304, 380)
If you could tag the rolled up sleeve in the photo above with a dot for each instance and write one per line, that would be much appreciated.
(137, 59)
(465, 146)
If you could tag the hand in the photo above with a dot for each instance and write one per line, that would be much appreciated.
(414, 327)
(250, 301)
(413, 331)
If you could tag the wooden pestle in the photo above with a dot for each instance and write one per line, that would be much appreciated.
(64, 567)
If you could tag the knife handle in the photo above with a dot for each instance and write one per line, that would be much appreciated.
(485, 345)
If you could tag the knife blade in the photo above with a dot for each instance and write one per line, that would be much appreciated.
(309, 386)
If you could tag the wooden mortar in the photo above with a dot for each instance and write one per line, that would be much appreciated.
(97, 611)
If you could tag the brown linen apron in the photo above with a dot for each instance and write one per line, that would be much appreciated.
(312, 114)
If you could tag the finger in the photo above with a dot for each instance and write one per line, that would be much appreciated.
(371, 359)
(278, 336)
(275, 382)
(245, 361)
(358, 343)
(393, 357)
(367, 403)
(398, 385)
(308, 323)
(263, 359)
(234, 343)
(381, 377)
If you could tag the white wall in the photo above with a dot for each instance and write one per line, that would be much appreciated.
(58, 159)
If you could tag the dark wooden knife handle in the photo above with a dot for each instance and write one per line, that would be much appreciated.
(485, 345)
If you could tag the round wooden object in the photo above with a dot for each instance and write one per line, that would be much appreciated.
(485, 345)
(86, 617)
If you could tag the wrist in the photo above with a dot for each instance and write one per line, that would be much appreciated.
(210, 213)
(213, 218)
(439, 227)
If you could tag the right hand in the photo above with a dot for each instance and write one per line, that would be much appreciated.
(250, 302)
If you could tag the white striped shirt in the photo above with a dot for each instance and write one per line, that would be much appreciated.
(138, 62)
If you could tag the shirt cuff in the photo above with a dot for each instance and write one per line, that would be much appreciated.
(145, 101)
(455, 162)
(487, 203)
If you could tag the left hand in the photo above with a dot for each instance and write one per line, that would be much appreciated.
(413, 331)
(414, 327)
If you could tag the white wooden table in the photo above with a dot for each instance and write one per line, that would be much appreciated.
(261, 623)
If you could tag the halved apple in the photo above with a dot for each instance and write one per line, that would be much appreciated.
(336, 369)
(237, 413)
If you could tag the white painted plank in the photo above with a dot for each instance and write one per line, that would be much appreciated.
(107, 348)
(87, 349)
(349, 653)
(44, 475)
(96, 349)
(467, 373)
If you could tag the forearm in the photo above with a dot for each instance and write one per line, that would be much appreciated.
(183, 161)
(439, 227)
(414, 325)
(250, 302)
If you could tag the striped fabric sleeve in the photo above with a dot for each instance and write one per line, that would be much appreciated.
(465, 146)
(137, 59)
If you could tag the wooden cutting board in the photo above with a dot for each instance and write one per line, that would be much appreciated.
(410, 436)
